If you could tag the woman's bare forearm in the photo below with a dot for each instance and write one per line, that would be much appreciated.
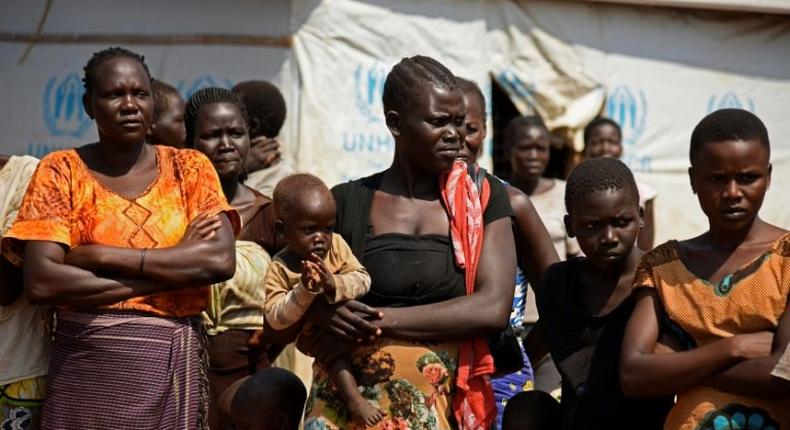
(188, 264)
(48, 281)
(536, 251)
(643, 373)
(749, 378)
(481, 313)
(753, 377)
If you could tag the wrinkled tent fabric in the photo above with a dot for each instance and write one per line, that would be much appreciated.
(657, 71)
(540, 73)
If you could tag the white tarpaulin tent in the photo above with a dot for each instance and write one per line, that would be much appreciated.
(656, 70)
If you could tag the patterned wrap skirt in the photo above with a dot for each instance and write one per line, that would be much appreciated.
(122, 369)
(21, 402)
(413, 383)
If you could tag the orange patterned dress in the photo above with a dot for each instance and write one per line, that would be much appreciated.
(751, 299)
(67, 204)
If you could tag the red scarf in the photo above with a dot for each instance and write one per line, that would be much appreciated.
(473, 405)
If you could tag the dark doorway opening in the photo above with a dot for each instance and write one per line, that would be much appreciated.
(502, 111)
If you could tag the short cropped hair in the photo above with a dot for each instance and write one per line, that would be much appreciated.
(290, 192)
(408, 78)
(598, 122)
(728, 124)
(98, 58)
(519, 124)
(265, 106)
(598, 174)
(531, 410)
(160, 90)
(207, 96)
(278, 388)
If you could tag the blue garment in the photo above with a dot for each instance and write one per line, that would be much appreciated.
(507, 386)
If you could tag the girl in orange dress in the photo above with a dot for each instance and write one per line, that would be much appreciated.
(723, 294)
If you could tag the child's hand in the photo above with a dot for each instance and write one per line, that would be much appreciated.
(310, 277)
(325, 278)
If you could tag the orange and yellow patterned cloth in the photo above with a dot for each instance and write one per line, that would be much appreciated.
(67, 204)
(751, 299)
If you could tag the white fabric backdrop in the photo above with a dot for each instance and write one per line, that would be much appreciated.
(657, 71)
(662, 70)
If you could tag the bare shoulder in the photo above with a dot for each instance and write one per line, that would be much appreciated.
(518, 199)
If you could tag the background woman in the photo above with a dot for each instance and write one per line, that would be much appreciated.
(24, 329)
(533, 244)
(216, 124)
(123, 237)
(527, 144)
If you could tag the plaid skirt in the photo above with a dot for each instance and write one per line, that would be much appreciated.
(126, 370)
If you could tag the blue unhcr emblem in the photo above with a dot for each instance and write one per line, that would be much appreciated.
(63, 113)
(629, 109)
(368, 89)
(201, 82)
(730, 100)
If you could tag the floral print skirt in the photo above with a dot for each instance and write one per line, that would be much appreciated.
(411, 382)
(20, 404)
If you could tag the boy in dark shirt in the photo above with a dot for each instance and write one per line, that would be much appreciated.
(585, 302)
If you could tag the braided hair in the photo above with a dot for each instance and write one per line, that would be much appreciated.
(265, 106)
(599, 122)
(207, 96)
(598, 174)
(728, 124)
(518, 125)
(406, 80)
(466, 86)
(98, 58)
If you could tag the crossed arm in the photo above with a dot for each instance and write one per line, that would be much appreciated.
(723, 364)
(93, 275)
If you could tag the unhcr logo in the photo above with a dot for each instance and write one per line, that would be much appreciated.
(629, 109)
(730, 101)
(188, 88)
(368, 89)
(63, 113)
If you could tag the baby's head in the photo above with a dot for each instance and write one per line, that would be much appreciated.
(270, 399)
(305, 210)
(604, 215)
(167, 127)
(730, 167)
